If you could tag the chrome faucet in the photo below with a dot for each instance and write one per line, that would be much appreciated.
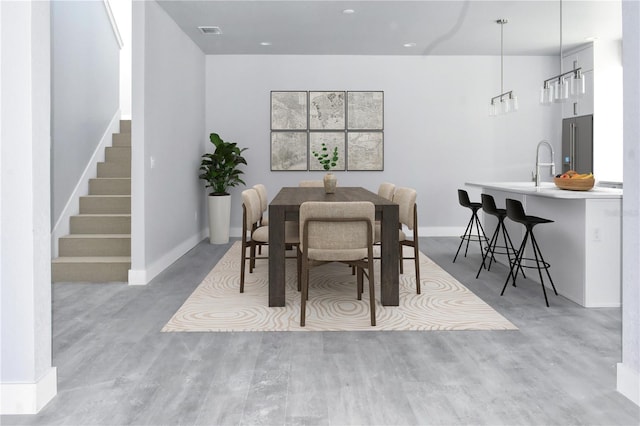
(538, 163)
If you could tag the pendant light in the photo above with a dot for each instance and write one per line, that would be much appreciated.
(565, 85)
(505, 102)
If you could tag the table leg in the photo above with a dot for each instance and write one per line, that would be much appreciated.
(389, 272)
(276, 256)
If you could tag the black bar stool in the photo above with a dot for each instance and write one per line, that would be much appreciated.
(516, 213)
(489, 207)
(463, 199)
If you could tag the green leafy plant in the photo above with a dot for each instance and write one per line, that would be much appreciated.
(220, 169)
(326, 159)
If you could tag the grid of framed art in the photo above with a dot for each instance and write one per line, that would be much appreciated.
(352, 121)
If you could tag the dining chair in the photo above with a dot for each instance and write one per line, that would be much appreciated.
(408, 215)
(385, 190)
(264, 203)
(337, 232)
(311, 183)
(253, 234)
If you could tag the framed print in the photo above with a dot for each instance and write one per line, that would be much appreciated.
(289, 110)
(365, 110)
(332, 140)
(326, 111)
(289, 151)
(365, 151)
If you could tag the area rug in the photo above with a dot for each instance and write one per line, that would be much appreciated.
(217, 305)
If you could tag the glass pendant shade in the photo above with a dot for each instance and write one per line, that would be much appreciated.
(504, 105)
(557, 91)
(514, 103)
(492, 109)
(564, 90)
(546, 94)
(578, 86)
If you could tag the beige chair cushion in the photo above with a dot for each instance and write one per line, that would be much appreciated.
(386, 190)
(251, 201)
(406, 200)
(331, 239)
(264, 202)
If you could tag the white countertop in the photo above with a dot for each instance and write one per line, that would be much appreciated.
(548, 189)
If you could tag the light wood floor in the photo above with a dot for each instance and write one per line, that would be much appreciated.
(115, 367)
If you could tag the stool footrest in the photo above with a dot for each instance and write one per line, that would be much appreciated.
(533, 265)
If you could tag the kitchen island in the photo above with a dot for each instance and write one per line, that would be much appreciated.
(583, 244)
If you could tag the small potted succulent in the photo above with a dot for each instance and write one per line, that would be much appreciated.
(328, 160)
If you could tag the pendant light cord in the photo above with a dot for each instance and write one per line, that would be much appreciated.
(501, 55)
(561, 58)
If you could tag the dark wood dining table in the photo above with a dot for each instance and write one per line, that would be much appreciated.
(286, 206)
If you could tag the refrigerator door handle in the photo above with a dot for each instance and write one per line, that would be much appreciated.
(572, 146)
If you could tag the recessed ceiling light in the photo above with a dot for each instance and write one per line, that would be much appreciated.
(209, 30)
(265, 43)
(348, 11)
(409, 45)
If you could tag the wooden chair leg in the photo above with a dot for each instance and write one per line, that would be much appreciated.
(416, 256)
(372, 294)
(304, 294)
(243, 265)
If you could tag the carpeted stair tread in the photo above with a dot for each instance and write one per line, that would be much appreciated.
(92, 259)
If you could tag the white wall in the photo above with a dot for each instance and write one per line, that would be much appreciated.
(27, 378)
(122, 14)
(629, 368)
(437, 135)
(84, 93)
(607, 122)
(167, 142)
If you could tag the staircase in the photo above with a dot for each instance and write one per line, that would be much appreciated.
(99, 246)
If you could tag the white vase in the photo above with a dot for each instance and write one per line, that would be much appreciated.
(330, 182)
(219, 218)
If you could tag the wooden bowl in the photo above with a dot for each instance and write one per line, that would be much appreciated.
(575, 184)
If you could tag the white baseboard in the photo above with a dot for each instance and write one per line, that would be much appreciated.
(440, 231)
(28, 398)
(137, 277)
(61, 228)
(144, 277)
(629, 383)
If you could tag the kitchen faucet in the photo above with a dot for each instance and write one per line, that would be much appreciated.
(538, 163)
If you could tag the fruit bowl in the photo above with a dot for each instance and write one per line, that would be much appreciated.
(575, 184)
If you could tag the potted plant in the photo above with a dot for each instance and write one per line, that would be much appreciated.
(220, 170)
(328, 160)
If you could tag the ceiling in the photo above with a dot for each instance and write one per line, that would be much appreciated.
(453, 27)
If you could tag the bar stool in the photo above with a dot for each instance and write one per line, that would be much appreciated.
(489, 207)
(516, 213)
(463, 199)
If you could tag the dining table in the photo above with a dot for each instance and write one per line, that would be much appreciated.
(285, 206)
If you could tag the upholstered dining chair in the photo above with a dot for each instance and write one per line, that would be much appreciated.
(337, 232)
(386, 190)
(311, 183)
(254, 235)
(264, 203)
(408, 214)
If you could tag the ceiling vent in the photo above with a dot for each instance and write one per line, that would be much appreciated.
(207, 30)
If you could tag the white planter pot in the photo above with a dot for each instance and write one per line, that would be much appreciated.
(219, 218)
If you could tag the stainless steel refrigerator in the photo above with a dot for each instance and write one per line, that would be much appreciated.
(577, 144)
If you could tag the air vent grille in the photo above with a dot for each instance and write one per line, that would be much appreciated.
(208, 30)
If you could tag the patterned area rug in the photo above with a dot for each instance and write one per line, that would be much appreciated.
(217, 304)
